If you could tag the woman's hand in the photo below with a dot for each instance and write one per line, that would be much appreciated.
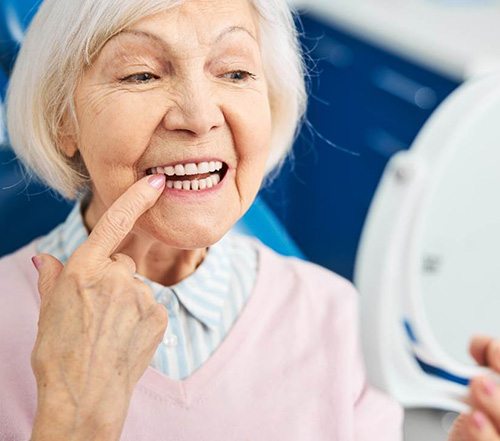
(482, 423)
(98, 329)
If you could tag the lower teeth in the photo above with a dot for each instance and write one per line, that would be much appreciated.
(196, 184)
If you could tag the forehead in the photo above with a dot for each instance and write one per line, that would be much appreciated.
(199, 23)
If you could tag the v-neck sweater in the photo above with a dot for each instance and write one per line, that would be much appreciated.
(290, 368)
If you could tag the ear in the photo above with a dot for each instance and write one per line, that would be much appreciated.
(67, 145)
(66, 140)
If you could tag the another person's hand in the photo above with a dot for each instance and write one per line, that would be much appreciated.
(98, 329)
(482, 423)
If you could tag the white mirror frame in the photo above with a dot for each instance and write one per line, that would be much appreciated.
(396, 337)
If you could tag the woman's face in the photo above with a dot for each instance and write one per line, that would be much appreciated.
(182, 87)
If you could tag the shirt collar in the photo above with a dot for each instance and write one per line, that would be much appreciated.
(203, 293)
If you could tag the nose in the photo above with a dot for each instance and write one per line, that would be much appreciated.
(194, 109)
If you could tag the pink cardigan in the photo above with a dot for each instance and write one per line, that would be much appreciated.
(289, 369)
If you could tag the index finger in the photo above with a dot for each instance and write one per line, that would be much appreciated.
(119, 219)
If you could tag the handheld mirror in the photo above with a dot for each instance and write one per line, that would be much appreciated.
(428, 265)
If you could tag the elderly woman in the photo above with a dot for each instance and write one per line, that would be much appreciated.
(152, 321)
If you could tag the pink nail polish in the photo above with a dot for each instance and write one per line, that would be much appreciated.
(37, 262)
(479, 419)
(489, 387)
(157, 181)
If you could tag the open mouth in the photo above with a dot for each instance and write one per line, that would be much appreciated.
(192, 176)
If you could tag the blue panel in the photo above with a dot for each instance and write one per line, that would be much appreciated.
(323, 198)
(3, 85)
(15, 16)
(26, 210)
(19, 199)
(3, 129)
(261, 222)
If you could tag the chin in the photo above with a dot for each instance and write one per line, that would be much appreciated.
(195, 239)
(190, 233)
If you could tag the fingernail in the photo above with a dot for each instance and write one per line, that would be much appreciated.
(489, 386)
(157, 181)
(479, 419)
(37, 262)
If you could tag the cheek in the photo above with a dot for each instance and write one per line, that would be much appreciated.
(115, 133)
(251, 128)
(119, 129)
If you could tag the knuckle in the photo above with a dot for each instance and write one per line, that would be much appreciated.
(119, 262)
(115, 257)
(144, 291)
(119, 257)
(39, 359)
(118, 274)
(122, 260)
(130, 263)
(141, 290)
(43, 284)
(141, 200)
(141, 197)
(140, 287)
(118, 219)
(160, 315)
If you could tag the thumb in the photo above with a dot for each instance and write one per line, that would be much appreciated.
(48, 268)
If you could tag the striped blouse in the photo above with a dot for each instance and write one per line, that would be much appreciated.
(201, 308)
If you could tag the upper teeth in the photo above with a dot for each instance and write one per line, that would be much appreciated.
(189, 169)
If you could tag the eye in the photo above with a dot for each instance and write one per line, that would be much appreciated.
(140, 78)
(239, 75)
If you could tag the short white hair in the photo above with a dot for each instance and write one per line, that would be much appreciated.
(64, 38)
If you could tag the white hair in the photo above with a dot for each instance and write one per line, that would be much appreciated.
(63, 39)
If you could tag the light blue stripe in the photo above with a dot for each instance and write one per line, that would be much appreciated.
(192, 330)
(75, 232)
(232, 309)
(184, 369)
(181, 347)
(50, 242)
(205, 297)
(199, 299)
(183, 320)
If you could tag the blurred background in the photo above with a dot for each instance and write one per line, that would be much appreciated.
(377, 72)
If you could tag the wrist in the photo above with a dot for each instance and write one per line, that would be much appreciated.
(54, 429)
(61, 422)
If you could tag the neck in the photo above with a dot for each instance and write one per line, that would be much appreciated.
(154, 260)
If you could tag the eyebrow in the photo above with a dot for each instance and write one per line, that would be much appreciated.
(163, 43)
